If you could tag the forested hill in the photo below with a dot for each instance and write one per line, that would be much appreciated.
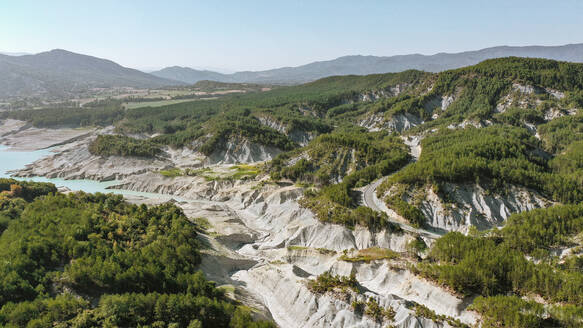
(508, 91)
(59, 73)
(362, 65)
(83, 260)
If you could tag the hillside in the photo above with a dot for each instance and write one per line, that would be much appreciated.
(190, 75)
(59, 73)
(363, 65)
(447, 199)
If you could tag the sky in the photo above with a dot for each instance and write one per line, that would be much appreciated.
(256, 34)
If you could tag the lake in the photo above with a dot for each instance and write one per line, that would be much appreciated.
(14, 160)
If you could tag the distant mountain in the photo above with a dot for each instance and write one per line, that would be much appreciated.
(14, 53)
(362, 65)
(190, 75)
(58, 73)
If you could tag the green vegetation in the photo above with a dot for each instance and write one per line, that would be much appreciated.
(542, 229)
(515, 312)
(116, 145)
(153, 103)
(328, 210)
(493, 156)
(235, 172)
(328, 282)
(375, 311)
(245, 171)
(172, 173)
(561, 132)
(423, 311)
(508, 311)
(102, 114)
(485, 266)
(408, 211)
(130, 265)
(333, 155)
(94, 260)
(371, 254)
(494, 264)
(10, 188)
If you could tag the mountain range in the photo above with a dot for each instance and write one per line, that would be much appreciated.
(60, 73)
(362, 65)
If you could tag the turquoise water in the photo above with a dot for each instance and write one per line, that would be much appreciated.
(13, 160)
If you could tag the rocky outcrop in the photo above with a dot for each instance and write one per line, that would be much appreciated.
(294, 247)
(283, 288)
(470, 123)
(471, 205)
(241, 150)
(398, 122)
(404, 121)
(525, 96)
(74, 161)
(300, 137)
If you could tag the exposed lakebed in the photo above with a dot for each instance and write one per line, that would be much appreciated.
(11, 160)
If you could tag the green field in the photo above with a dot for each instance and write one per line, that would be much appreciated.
(133, 105)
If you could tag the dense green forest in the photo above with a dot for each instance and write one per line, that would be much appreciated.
(334, 156)
(110, 145)
(101, 114)
(84, 260)
(492, 156)
(494, 264)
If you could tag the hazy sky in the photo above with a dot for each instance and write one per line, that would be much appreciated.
(253, 35)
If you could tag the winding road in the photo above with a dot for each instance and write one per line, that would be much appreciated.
(370, 199)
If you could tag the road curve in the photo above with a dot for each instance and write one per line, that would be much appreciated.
(370, 199)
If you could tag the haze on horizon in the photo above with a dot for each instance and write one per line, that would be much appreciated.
(257, 35)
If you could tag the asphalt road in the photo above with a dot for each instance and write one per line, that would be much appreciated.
(369, 199)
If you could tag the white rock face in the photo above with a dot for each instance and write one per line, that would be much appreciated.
(283, 289)
(301, 137)
(240, 150)
(399, 122)
(289, 246)
(414, 144)
(72, 159)
(280, 282)
(522, 96)
(404, 121)
(468, 123)
(473, 206)
(10, 126)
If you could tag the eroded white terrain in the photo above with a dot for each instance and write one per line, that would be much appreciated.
(263, 245)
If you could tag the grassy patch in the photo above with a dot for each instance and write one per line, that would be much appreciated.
(371, 254)
(245, 171)
(326, 251)
(323, 251)
(172, 173)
